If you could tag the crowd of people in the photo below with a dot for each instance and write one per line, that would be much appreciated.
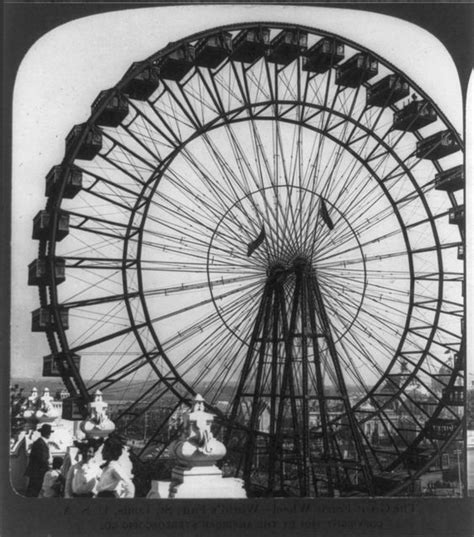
(97, 471)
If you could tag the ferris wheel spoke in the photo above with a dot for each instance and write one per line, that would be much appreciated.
(326, 189)
(353, 170)
(225, 376)
(315, 163)
(210, 81)
(393, 143)
(120, 373)
(191, 106)
(141, 325)
(114, 187)
(362, 327)
(178, 181)
(199, 97)
(380, 319)
(142, 137)
(232, 180)
(207, 373)
(353, 207)
(110, 197)
(131, 156)
(219, 193)
(288, 212)
(121, 167)
(104, 227)
(397, 231)
(167, 123)
(381, 257)
(262, 163)
(175, 249)
(183, 288)
(89, 342)
(169, 208)
(201, 351)
(357, 347)
(110, 367)
(178, 112)
(242, 159)
(276, 209)
(407, 168)
(147, 130)
(367, 111)
(382, 158)
(103, 248)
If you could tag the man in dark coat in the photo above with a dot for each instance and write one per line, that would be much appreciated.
(38, 463)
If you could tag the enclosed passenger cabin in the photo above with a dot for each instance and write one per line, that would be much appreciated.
(438, 145)
(441, 428)
(39, 271)
(91, 144)
(323, 55)
(42, 319)
(42, 224)
(456, 215)
(112, 108)
(454, 395)
(176, 64)
(287, 46)
(250, 45)
(70, 176)
(414, 116)
(74, 409)
(53, 363)
(450, 180)
(143, 84)
(213, 50)
(356, 70)
(387, 91)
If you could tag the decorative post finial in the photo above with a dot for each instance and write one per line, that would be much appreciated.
(196, 474)
(97, 424)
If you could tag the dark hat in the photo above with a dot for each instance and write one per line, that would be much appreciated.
(45, 428)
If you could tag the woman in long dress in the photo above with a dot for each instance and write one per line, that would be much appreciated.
(82, 477)
(116, 479)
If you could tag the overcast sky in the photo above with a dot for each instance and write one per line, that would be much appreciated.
(65, 70)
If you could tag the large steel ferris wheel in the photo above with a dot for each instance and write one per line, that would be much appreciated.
(272, 215)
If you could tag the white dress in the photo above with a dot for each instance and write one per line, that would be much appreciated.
(82, 479)
(50, 479)
(116, 479)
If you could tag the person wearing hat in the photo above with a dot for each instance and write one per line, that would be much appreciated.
(38, 463)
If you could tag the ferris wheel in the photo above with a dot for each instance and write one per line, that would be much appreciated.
(271, 215)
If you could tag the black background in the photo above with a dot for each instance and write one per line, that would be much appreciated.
(25, 23)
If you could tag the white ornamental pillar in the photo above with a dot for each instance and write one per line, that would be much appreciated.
(196, 474)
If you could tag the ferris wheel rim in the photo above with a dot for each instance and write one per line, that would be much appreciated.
(58, 338)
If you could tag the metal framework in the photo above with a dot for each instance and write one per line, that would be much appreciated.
(273, 215)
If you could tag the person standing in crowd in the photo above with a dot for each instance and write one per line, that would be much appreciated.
(52, 481)
(38, 463)
(115, 481)
(82, 477)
